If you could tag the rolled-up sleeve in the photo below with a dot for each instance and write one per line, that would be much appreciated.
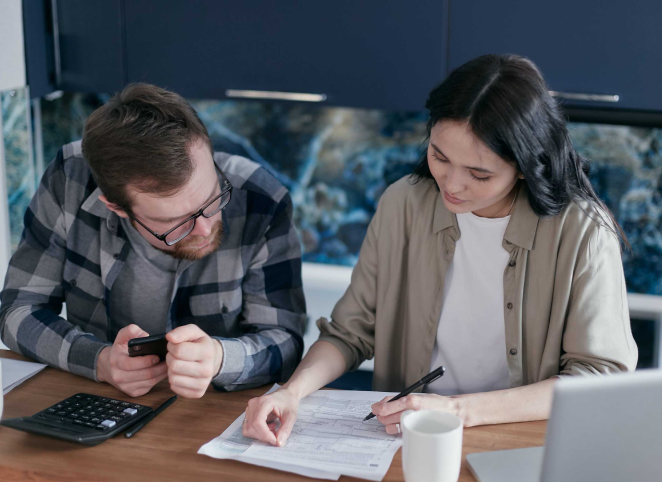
(352, 329)
(597, 337)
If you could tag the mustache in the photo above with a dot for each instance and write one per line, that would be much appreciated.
(185, 248)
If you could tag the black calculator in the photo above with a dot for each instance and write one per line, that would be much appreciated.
(83, 418)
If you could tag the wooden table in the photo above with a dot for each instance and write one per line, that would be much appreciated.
(166, 449)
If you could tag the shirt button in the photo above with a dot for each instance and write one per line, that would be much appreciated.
(224, 309)
(509, 306)
(116, 256)
(513, 351)
(512, 263)
(73, 283)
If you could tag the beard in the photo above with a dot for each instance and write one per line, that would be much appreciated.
(186, 248)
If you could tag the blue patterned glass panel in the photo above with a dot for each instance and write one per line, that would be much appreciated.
(337, 162)
(19, 159)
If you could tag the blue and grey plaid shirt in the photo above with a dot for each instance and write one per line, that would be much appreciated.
(247, 294)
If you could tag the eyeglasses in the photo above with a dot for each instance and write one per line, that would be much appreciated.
(183, 229)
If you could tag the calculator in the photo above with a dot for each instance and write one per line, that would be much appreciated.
(83, 418)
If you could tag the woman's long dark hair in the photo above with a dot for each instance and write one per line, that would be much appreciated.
(506, 103)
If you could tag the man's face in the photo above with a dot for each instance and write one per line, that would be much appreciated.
(163, 213)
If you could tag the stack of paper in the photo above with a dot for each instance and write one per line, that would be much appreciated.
(329, 439)
(15, 372)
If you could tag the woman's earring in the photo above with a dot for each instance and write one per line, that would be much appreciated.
(521, 176)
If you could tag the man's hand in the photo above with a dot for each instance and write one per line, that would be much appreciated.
(134, 376)
(193, 359)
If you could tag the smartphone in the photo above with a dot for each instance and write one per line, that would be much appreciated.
(149, 345)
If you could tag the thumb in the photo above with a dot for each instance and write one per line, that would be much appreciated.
(286, 424)
(129, 332)
(185, 333)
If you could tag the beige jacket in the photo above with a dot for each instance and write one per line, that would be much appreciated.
(565, 303)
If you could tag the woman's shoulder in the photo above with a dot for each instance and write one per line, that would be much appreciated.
(580, 221)
(406, 193)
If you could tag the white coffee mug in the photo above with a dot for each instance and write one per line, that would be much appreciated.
(432, 446)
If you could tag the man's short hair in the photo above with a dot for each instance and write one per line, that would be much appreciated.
(142, 137)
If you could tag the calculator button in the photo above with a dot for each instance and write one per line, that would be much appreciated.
(130, 411)
(101, 410)
(108, 423)
(90, 424)
(50, 410)
(60, 406)
(96, 420)
(101, 427)
(73, 415)
(61, 413)
(117, 419)
(85, 417)
(79, 422)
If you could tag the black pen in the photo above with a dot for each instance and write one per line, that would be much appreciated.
(133, 430)
(429, 378)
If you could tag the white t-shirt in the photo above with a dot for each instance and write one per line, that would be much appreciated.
(471, 337)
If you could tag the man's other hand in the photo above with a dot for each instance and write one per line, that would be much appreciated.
(193, 359)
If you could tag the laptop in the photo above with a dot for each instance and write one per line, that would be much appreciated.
(606, 429)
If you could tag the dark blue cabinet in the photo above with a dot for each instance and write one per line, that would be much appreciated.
(370, 53)
(89, 45)
(606, 47)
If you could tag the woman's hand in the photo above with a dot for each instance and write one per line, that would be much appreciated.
(389, 413)
(263, 413)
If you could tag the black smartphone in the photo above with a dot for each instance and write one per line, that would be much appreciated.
(149, 345)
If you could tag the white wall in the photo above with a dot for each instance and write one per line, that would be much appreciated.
(12, 56)
(12, 76)
(323, 286)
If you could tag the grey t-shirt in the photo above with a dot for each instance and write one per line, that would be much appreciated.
(143, 290)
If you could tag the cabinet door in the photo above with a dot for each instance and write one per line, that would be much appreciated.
(367, 53)
(582, 46)
(90, 45)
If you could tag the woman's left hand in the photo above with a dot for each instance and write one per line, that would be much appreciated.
(389, 413)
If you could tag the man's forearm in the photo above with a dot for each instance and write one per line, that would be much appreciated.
(78, 354)
(521, 404)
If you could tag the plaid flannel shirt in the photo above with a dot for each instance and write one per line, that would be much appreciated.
(247, 294)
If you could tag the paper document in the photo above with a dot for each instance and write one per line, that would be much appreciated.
(329, 436)
(15, 372)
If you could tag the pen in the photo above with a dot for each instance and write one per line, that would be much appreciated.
(429, 378)
(133, 430)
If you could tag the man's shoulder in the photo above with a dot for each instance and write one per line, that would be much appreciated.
(71, 161)
(249, 176)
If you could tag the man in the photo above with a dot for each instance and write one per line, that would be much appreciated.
(143, 229)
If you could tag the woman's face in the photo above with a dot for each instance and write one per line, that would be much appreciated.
(470, 176)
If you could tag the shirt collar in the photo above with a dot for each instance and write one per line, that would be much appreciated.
(521, 230)
(96, 207)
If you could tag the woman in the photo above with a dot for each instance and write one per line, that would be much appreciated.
(495, 259)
